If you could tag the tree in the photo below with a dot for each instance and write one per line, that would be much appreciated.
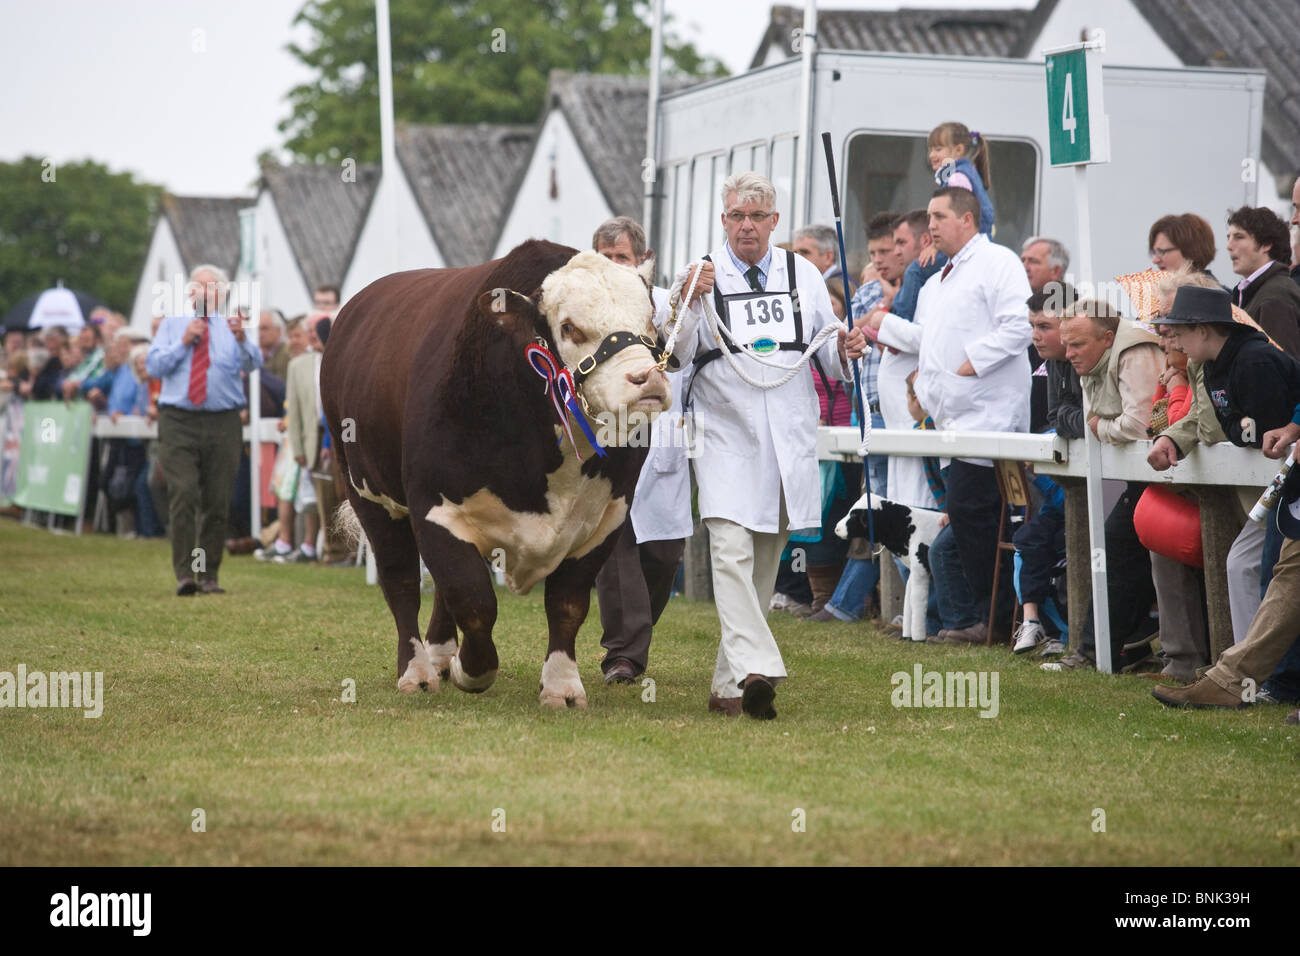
(77, 222)
(465, 61)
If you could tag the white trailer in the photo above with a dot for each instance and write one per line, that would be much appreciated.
(1182, 140)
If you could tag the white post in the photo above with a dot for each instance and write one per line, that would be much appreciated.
(255, 443)
(387, 148)
(1096, 506)
(808, 42)
(650, 165)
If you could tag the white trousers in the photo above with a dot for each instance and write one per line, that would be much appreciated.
(1244, 560)
(744, 575)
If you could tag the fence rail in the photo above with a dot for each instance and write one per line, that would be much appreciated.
(1211, 472)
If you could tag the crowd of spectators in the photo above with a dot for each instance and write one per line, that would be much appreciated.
(1142, 380)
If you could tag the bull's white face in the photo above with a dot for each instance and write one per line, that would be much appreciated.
(585, 300)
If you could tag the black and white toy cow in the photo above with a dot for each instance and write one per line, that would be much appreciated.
(908, 533)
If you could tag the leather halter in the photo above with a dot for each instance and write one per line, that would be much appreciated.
(614, 343)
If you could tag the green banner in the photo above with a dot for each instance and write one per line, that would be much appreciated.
(53, 458)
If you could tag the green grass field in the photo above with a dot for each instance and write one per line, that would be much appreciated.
(232, 704)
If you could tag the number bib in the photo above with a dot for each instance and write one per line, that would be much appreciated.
(761, 321)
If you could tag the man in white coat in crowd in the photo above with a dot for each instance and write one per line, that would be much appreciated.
(636, 581)
(907, 483)
(973, 368)
(754, 448)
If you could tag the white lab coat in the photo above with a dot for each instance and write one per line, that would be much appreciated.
(751, 443)
(977, 313)
(661, 507)
(907, 481)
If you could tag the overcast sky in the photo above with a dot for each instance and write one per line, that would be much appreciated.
(187, 93)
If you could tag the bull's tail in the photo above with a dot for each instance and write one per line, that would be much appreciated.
(347, 524)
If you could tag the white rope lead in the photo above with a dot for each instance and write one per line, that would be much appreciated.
(721, 335)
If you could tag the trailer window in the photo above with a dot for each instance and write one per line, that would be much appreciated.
(679, 250)
(752, 156)
(701, 204)
(783, 152)
(887, 171)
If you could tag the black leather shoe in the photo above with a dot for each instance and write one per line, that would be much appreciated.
(620, 672)
(186, 587)
(756, 699)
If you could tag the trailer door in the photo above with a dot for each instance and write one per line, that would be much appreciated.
(890, 171)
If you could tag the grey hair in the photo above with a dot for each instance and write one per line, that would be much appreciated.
(217, 271)
(609, 232)
(749, 187)
(824, 236)
(134, 355)
(276, 319)
(1057, 255)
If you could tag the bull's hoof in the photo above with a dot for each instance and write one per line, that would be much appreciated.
(470, 685)
(421, 673)
(557, 701)
(407, 684)
(561, 686)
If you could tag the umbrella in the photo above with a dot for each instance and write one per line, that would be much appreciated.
(58, 306)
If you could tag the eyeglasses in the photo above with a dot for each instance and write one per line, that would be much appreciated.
(757, 218)
(1159, 253)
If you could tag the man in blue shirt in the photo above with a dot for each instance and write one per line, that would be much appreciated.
(199, 361)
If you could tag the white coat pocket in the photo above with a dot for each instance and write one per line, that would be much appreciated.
(725, 428)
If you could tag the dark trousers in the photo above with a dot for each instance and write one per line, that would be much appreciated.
(199, 455)
(122, 454)
(793, 584)
(239, 524)
(633, 589)
(1041, 543)
(974, 504)
(1129, 588)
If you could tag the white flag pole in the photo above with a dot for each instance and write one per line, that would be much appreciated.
(387, 148)
(650, 165)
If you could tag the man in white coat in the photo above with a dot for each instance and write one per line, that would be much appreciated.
(755, 448)
(636, 581)
(973, 368)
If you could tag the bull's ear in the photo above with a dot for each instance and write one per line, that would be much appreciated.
(500, 302)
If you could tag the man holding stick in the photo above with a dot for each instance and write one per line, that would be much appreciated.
(755, 444)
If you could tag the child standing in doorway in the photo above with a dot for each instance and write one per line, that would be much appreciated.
(960, 157)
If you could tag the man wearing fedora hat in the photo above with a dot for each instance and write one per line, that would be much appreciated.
(1255, 391)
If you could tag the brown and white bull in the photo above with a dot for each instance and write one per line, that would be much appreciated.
(452, 449)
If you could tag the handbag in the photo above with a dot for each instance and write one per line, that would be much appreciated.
(1169, 524)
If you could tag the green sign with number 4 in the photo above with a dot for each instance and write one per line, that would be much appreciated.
(1069, 137)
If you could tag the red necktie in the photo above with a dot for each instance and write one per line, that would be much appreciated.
(199, 361)
(946, 270)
